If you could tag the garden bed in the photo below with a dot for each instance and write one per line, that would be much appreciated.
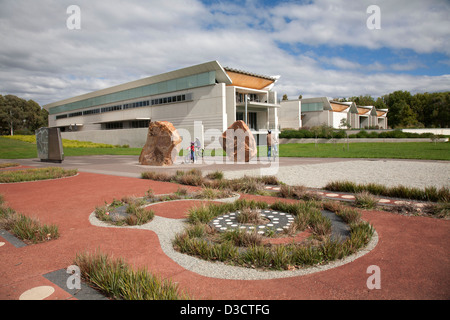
(255, 248)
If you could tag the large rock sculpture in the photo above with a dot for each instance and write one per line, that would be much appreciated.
(238, 142)
(162, 145)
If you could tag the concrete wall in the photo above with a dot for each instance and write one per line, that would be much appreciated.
(315, 118)
(289, 115)
(443, 131)
(135, 138)
(337, 117)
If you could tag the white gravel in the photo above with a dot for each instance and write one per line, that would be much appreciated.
(418, 174)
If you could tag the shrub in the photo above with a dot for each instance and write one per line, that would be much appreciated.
(438, 210)
(349, 215)
(365, 200)
(242, 238)
(297, 192)
(216, 175)
(426, 194)
(157, 176)
(247, 215)
(26, 228)
(118, 280)
(190, 179)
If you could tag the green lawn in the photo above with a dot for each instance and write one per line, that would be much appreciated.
(15, 149)
(400, 150)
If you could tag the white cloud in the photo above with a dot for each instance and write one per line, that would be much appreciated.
(121, 41)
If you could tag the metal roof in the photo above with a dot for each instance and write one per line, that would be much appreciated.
(221, 77)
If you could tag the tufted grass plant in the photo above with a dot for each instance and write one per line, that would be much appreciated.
(118, 280)
(365, 200)
(432, 193)
(26, 228)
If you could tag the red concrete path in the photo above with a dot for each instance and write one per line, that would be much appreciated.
(412, 252)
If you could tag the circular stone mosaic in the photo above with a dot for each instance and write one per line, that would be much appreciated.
(277, 221)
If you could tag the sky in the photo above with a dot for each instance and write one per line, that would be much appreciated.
(318, 48)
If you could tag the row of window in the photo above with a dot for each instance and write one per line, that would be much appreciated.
(139, 104)
(131, 125)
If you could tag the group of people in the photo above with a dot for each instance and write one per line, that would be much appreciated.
(196, 150)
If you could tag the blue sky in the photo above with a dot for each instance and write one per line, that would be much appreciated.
(319, 48)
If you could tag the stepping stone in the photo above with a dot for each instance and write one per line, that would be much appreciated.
(333, 195)
(37, 293)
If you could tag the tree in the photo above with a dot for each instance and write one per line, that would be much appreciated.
(17, 113)
(402, 115)
(285, 97)
(380, 104)
(440, 115)
(344, 124)
(366, 100)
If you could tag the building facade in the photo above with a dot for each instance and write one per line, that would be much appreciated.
(203, 99)
(319, 111)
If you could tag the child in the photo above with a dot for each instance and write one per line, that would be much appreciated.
(192, 152)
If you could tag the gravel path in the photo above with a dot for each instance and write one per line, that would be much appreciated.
(387, 172)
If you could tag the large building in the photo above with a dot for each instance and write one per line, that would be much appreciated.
(200, 99)
(318, 111)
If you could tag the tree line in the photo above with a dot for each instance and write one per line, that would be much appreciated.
(428, 110)
(20, 116)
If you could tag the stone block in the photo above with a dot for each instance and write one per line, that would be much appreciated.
(162, 145)
(238, 142)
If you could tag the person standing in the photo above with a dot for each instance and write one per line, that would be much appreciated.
(275, 147)
(198, 147)
(192, 152)
(269, 144)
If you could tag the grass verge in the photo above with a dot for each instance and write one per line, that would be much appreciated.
(21, 149)
(118, 280)
(35, 174)
(9, 165)
(390, 150)
(17, 149)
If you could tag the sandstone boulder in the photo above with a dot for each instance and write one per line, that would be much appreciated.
(238, 142)
(162, 145)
